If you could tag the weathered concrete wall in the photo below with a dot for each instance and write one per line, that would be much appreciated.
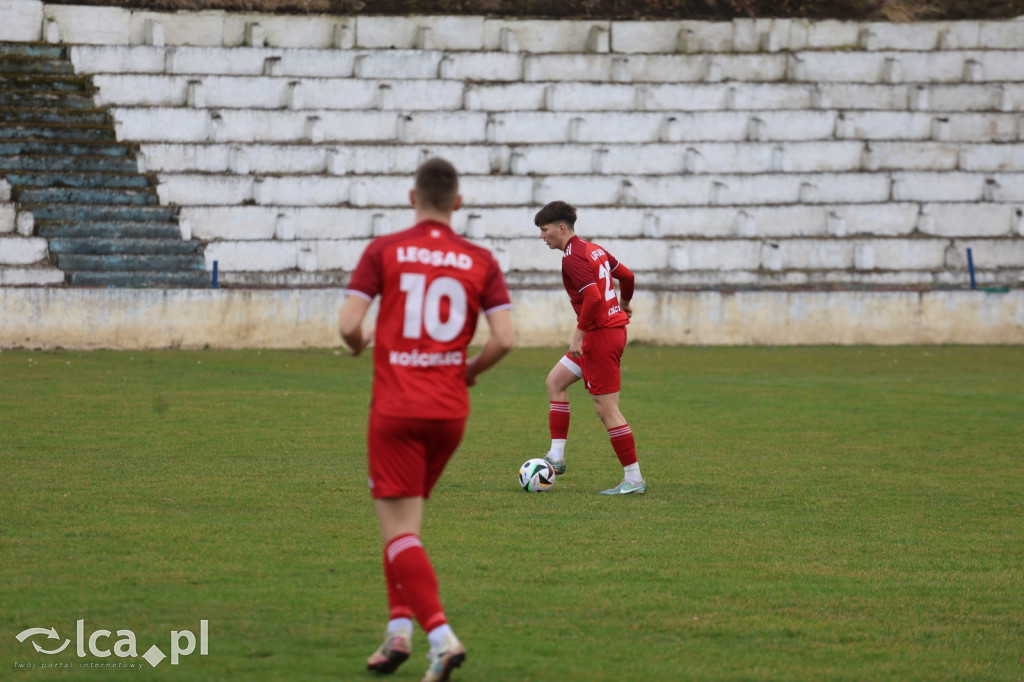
(21, 20)
(752, 153)
(888, 197)
(298, 318)
(163, 318)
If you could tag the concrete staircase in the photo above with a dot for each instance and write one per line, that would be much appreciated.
(749, 154)
(840, 170)
(81, 187)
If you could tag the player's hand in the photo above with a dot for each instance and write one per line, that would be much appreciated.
(576, 345)
(471, 372)
(368, 335)
(627, 308)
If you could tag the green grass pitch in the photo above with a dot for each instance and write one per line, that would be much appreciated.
(841, 513)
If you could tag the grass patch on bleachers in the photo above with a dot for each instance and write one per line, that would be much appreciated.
(814, 513)
(858, 10)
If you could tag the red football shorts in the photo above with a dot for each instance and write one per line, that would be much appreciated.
(600, 363)
(407, 456)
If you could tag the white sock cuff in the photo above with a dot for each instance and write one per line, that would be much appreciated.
(632, 472)
(437, 636)
(399, 624)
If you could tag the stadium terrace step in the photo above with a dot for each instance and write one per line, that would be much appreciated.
(92, 212)
(140, 279)
(107, 229)
(37, 66)
(22, 251)
(36, 98)
(52, 115)
(38, 275)
(63, 148)
(62, 195)
(94, 180)
(56, 131)
(46, 83)
(123, 246)
(130, 262)
(67, 164)
(33, 50)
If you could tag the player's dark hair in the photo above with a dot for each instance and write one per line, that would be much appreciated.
(556, 212)
(437, 184)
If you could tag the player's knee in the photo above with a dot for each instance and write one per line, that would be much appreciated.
(609, 414)
(555, 385)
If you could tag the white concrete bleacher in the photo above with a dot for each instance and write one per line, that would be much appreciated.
(24, 259)
(745, 153)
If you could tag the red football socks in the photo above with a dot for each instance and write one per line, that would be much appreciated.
(623, 444)
(412, 584)
(397, 608)
(558, 420)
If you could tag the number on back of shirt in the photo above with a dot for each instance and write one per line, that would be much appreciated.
(605, 273)
(423, 307)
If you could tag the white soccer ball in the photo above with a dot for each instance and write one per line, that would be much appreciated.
(536, 475)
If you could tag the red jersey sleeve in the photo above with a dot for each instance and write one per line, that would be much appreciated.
(626, 281)
(367, 278)
(590, 309)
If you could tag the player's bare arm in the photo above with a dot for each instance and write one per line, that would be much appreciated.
(350, 324)
(500, 342)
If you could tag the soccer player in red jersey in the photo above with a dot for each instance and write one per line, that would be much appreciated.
(433, 285)
(597, 344)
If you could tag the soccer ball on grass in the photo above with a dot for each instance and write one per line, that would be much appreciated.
(536, 475)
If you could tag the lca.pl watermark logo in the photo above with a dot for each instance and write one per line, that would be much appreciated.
(100, 643)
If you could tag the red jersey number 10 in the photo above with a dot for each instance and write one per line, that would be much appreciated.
(423, 307)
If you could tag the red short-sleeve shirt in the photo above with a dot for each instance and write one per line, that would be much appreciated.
(584, 265)
(433, 285)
